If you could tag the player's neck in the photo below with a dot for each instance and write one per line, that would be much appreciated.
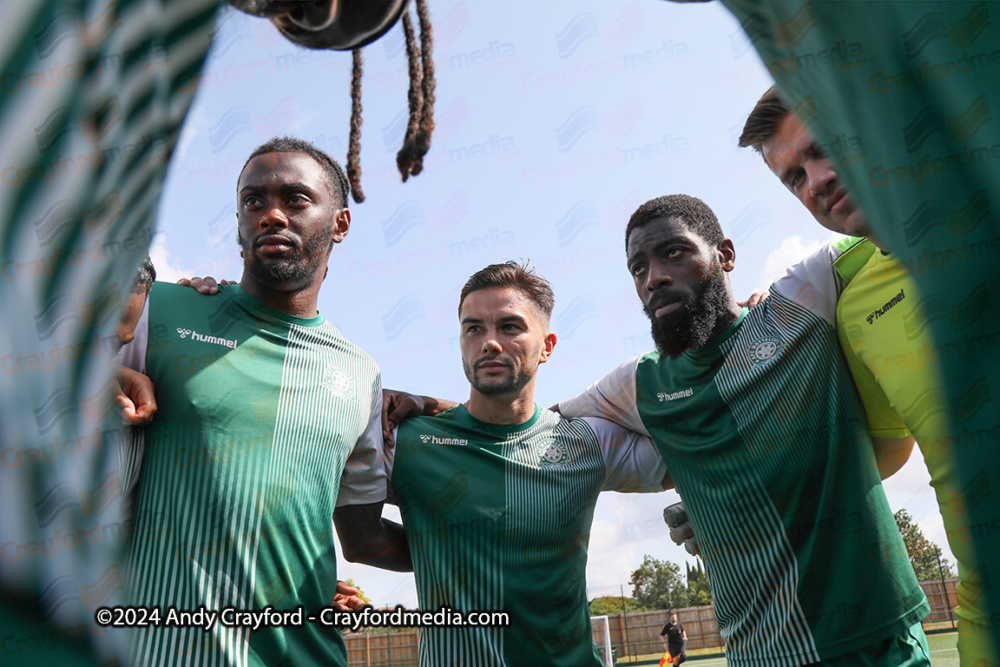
(726, 317)
(502, 409)
(298, 303)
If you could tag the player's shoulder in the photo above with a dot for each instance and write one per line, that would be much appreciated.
(589, 429)
(174, 291)
(346, 346)
(180, 299)
(855, 258)
(449, 419)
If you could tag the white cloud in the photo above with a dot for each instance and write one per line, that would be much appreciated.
(626, 527)
(159, 252)
(170, 267)
(790, 252)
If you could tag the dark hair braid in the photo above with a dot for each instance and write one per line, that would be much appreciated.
(420, 125)
(354, 143)
(422, 143)
(406, 154)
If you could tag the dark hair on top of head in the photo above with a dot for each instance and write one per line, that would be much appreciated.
(517, 276)
(421, 98)
(695, 214)
(336, 180)
(762, 123)
(145, 277)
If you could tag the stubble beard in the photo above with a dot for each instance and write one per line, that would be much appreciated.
(515, 382)
(292, 269)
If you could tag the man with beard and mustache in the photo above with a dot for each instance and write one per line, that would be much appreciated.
(497, 495)
(762, 430)
(268, 419)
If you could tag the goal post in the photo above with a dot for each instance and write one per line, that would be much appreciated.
(602, 639)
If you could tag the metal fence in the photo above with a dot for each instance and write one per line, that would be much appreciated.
(632, 634)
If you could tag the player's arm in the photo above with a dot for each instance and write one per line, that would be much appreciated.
(892, 442)
(633, 463)
(136, 396)
(365, 536)
(135, 393)
(368, 537)
(613, 397)
(891, 454)
(398, 406)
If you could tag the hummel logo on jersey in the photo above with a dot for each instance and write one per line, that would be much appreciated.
(215, 340)
(434, 440)
(684, 393)
(884, 309)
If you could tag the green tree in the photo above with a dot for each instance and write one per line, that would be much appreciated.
(608, 605)
(923, 553)
(657, 584)
(698, 590)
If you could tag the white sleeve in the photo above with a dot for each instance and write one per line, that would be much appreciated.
(363, 480)
(634, 465)
(813, 284)
(612, 398)
(133, 354)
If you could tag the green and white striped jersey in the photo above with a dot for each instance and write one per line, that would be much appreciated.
(498, 519)
(94, 93)
(266, 422)
(765, 438)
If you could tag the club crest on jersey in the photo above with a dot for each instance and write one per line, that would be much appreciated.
(763, 349)
(552, 454)
(339, 382)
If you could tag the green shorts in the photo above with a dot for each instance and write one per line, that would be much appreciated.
(907, 649)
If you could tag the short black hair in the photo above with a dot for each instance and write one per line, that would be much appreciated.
(517, 276)
(695, 213)
(145, 277)
(336, 180)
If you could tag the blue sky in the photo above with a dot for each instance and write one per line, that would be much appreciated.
(555, 120)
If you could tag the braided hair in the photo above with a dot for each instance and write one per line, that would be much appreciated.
(420, 126)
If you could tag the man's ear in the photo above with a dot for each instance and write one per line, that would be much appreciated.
(341, 224)
(548, 345)
(727, 255)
